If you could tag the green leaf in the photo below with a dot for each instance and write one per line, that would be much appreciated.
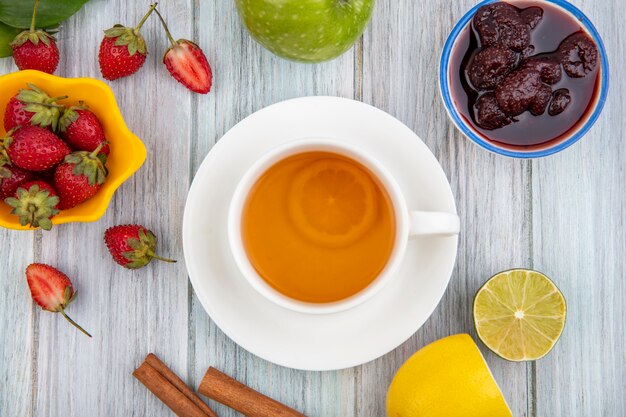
(7, 34)
(49, 12)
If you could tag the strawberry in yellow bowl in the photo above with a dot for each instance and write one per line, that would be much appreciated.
(64, 150)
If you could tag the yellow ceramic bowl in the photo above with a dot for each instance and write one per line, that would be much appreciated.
(127, 152)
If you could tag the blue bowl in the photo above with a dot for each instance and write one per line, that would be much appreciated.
(535, 151)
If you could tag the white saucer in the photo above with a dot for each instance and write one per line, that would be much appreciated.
(297, 340)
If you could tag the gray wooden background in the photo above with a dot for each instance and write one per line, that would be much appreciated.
(563, 215)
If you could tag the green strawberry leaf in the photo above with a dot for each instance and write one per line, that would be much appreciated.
(7, 34)
(49, 12)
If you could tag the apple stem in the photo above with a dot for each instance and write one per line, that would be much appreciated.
(74, 323)
(143, 20)
(32, 22)
(167, 31)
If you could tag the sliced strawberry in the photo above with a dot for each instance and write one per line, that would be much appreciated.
(51, 289)
(187, 63)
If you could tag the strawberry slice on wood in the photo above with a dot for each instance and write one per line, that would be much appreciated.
(51, 289)
(187, 63)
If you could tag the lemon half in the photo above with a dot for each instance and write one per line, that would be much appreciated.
(448, 378)
(519, 314)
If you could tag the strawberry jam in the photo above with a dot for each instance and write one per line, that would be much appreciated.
(524, 75)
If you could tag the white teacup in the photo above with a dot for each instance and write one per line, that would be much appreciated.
(409, 223)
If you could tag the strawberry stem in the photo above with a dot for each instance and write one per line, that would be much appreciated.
(155, 256)
(96, 151)
(32, 22)
(73, 323)
(58, 106)
(142, 21)
(167, 31)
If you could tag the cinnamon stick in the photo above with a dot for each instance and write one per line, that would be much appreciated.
(228, 391)
(170, 389)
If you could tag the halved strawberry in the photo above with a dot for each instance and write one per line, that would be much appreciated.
(187, 63)
(51, 289)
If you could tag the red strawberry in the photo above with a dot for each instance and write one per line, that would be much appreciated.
(34, 148)
(132, 246)
(79, 177)
(82, 129)
(32, 106)
(123, 50)
(11, 178)
(35, 203)
(51, 289)
(35, 49)
(187, 63)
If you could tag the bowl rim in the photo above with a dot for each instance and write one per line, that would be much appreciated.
(469, 132)
(134, 144)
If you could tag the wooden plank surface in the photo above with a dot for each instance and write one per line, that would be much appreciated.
(564, 215)
(579, 239)
(401, 59)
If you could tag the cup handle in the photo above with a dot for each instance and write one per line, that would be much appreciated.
(433, 223)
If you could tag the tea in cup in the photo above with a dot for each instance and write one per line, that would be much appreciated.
(318, 226)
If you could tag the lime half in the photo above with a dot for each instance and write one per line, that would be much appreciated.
(519, 314)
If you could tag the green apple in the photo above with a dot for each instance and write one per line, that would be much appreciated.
(306, 30)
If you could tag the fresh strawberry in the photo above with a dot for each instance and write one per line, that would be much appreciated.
(51, 289)
(187, 63)
(34, 148)
(79, 177)
(132, 246)
(123, 50)
(82, 129)
(35, 49)
(35, 203)
(11, 178)
(32, 106)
